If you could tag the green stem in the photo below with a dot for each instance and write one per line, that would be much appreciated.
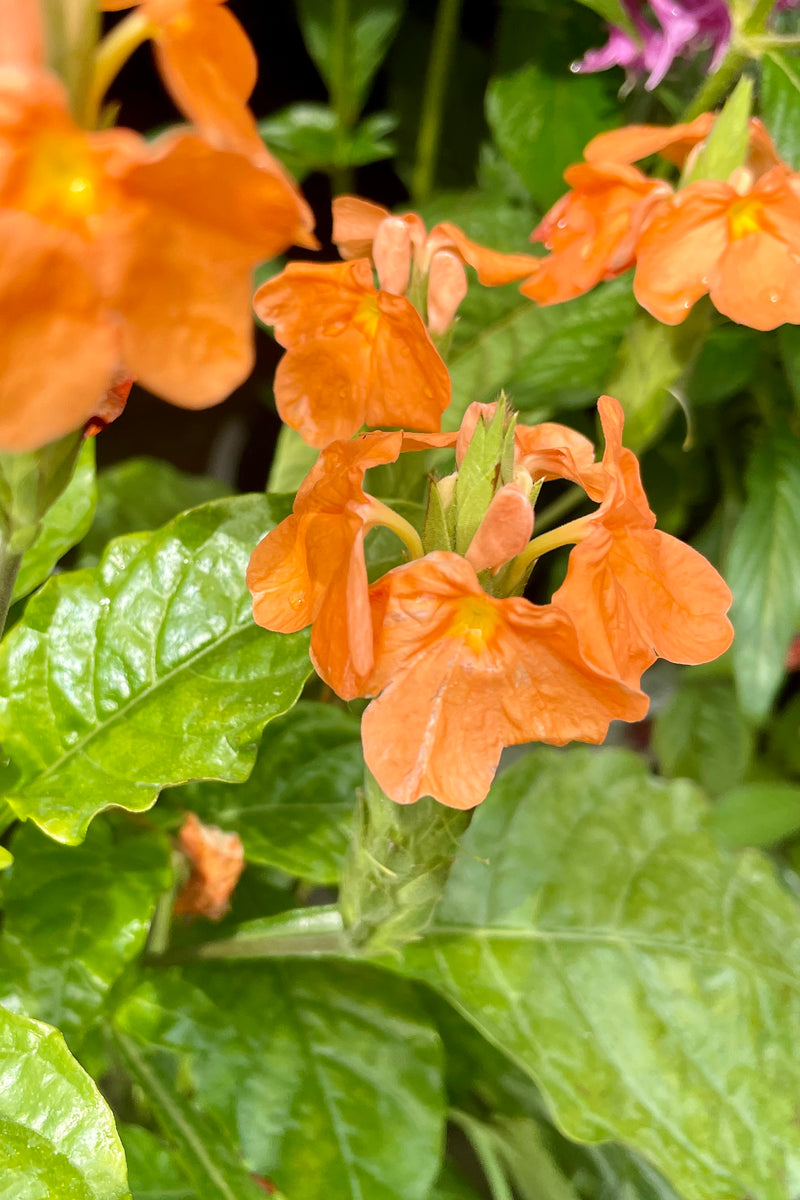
(303, 933)
(9, 567)
(759, 16)
(717, 85)
(482, 1142)
(554, 512)
(444, 36)
(342, 175)
(111, 55)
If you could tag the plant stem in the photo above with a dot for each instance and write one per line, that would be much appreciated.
(342, 175)
(559, 508)
(111, 55)
(715, 87)
(482, 1142)
(759, 16)
(430, 126)
(9, 566)
(304, 932)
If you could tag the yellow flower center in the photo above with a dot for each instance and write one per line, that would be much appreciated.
(745, 216)
(61, 182)
(474, 622)
(367, 315)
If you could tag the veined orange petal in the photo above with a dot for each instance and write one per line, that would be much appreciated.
(461, 675)
(634, 142)
(757, 282)
(504, 531)
(355, 223)
(309, 299)
(553, 451)
(409, 384)
(493, 267)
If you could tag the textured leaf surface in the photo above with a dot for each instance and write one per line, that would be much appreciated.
(141, 494)
(74, 917)
(329, 1071)
(764, 570)
(648, 982)
(57, 1135)
(63, 525)
(780, 103)
(702, 734)
(144, 671)
(294, 811)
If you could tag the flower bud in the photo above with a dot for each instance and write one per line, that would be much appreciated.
(447, 287)
(391, 252)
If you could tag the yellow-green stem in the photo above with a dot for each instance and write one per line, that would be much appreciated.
(430, 126)
(563, 535)
(111, 55)
(381, 514)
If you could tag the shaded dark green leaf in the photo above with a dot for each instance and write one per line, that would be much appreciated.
(702, 734)
(307, 137)
(348, 56)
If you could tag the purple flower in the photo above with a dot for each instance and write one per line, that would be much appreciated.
(684, 27)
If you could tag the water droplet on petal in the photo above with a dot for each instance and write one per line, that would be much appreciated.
(687, 304)
(774, 297)
(575, 66)
(704, 281)
(562, 224)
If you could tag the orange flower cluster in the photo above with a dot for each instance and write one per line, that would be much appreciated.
(737, 240)
(457, 662)
(121, 255)
(360, 355)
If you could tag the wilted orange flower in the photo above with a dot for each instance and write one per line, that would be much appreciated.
(115, 251)
(593, 231)
(635, 593)
(217, 861)
(461, 675)
(740, 245)
(111, 406)
(355, 355)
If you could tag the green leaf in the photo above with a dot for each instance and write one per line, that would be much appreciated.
(725, 364)
(140, 494)
(75, 917)
(780, 103)
(307, 138)
(203, 1152)
(760, 813)
(725, 148)
(452, 1186)
(348, 56)
(329, 1071)
(62, 526)
(559, 346)
(611, 11)
(764, 570)
(153, 1173)
(292, 462)
(702, 734)
(541, 123)
(648, 982)
(29, 484)
(294, 811)
(57, 1135)
(143, 672)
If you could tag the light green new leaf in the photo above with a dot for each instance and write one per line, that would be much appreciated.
(294, 811)
(74, 918)
(206, 1157)
(568, 346)
(725, 148)
(330, 1073)
(141, 494)
(542, 122)
(780, 103)
(57, 1135)
(349, 55)
(62, 526)
(763, 570)
(143, 672)
(702, 734)
(647, 981)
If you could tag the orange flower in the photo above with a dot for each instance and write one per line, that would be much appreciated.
(217, 861)
(592, 232)
(546, 451)
(461, 675)
(115, 251)
(311, 568)
(675, 143)
(740, 247)
(355, 355)
(635, 593)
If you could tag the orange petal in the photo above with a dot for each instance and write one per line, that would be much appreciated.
(59, 346)
(217, 861)
(355, 223)
(492, 266)
(757, 282)
(680, 249)
(409, 385)
(279, 581)
(321, 387)
(552, 451)
(462, 675)
(633, 142)
(112, 405)
(447, 287)
(308, 299)
(21, 33)
(504, 531)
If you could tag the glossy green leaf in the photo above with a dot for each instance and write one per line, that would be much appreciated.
(74, 917)
(780, 103)
(307, 137)
(348, 52)
(153, 1173)
(62, 526)
(329, 1072)
(760, 813)
(560, 346)
(294, 811)
(57, 1135)
(141, 494)
(207, 1158)
(763, 570)
(646, 980)
(541, 123)
(702, 734)
(143, 672)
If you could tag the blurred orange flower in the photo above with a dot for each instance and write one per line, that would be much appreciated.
(635, 593)
(217, 860)
(355, 355)
(117, 252)
(459, 675)
(740, 245)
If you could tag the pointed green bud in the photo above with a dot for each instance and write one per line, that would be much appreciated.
(436, 535)
(479, 475)
(726, 146)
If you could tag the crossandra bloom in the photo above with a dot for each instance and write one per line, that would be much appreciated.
(355, 355)
(456, 662)
(118, 252)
